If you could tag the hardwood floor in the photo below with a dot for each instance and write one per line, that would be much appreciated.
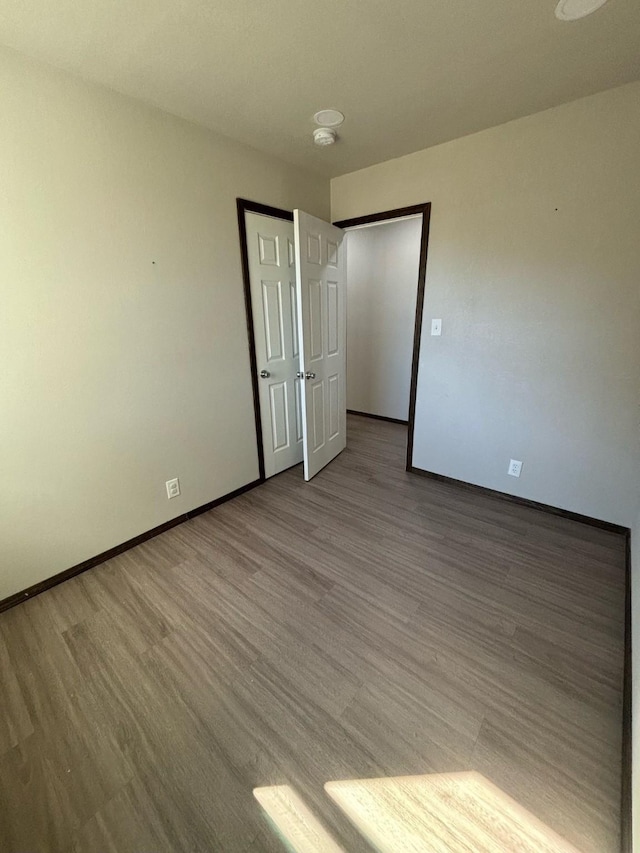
(371, 623)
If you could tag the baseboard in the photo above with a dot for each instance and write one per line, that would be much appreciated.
(626, 796)
(515, 499)
(43, 585)
(377, 417)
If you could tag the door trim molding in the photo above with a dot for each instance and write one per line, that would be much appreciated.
(383, 216)
(246, 206)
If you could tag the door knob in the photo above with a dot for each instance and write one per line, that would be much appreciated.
(310, 375)
(299, 375)
(265, 374)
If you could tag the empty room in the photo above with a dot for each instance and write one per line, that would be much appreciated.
(320, 427)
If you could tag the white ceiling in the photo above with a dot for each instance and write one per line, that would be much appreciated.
(407, 73)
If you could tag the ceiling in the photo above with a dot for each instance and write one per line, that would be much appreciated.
(408, 74)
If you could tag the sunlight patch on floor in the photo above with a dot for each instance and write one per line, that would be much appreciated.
(442, 813)
(437, 813)
(296, 824)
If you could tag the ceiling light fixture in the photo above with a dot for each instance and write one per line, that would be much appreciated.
(324, 136)
(329, 118)
(573, 10)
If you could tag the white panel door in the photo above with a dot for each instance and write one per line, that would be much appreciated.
(272, 275)
(322, 304)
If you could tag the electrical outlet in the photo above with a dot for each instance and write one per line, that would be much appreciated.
(173, 488)
(436, 327)
(515, 468)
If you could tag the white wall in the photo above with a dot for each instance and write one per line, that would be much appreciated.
(534, 266)
(123, 347)
(382, 280)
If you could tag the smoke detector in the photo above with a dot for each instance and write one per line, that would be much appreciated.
(329, 118)
(324, 136)
(573, 10)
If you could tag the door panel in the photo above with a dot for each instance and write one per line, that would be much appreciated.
(273, 320)
(299, 429)
(313, 249)
(314, 298)
(317, 409)
(294, 317)
(271, 254)
(332, 317)
(279, 419)
(321, 289)
(334, 406)
(269, 250)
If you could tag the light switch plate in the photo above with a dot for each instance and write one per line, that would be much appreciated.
(436, 327)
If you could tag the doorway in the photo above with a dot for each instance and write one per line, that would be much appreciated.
(294, 273)
(386, 263)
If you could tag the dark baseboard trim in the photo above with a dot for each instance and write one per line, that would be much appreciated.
(221, 500)
(514, 499)
(625, 794)
(41, 586)
(377, 417)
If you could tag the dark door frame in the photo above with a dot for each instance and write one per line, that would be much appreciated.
(425, 211)
(246, 206)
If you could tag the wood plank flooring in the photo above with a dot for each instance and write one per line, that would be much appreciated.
(371, 623)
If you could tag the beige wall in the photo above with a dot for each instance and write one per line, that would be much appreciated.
(382, 281)
(534, 266)
(123, 348)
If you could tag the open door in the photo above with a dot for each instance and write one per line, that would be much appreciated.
(322, 305)
(271, 262)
